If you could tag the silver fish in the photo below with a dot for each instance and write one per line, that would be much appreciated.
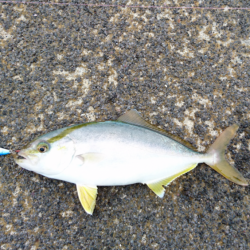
(121, 152)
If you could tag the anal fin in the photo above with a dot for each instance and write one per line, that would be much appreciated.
(157, 186)
(87, 196)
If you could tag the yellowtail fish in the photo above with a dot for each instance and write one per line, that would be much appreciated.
(121, 152)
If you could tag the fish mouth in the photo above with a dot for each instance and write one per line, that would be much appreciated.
(21, 156)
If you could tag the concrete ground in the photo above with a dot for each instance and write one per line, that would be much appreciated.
(186, 71)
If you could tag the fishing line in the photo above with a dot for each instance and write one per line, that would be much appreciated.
(130, 6)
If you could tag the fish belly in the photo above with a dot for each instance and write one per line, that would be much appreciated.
(149, 169)
(120, 170)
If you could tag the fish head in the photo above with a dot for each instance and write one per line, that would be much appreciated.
(47, 157)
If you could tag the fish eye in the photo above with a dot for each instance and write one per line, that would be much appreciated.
(43, 147)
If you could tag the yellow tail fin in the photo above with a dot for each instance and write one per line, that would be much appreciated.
(219, 163)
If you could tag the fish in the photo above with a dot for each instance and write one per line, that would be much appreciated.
(126, 151)
(4, 151)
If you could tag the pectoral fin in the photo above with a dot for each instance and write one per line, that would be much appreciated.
(157, 186)
(90, 157)
(87, 196)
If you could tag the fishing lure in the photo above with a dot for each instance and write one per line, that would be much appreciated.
(4, 151)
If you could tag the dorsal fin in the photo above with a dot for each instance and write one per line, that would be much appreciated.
(133, 117)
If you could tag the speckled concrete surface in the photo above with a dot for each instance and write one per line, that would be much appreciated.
(186, 71)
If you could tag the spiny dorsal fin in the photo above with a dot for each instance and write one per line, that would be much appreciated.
(157, 187)
(87, 196)
(133, 117)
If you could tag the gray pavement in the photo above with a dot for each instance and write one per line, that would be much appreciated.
(186, 71)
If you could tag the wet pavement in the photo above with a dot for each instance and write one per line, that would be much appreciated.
(186, 71)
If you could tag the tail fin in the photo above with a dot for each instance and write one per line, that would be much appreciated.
(219, 163)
